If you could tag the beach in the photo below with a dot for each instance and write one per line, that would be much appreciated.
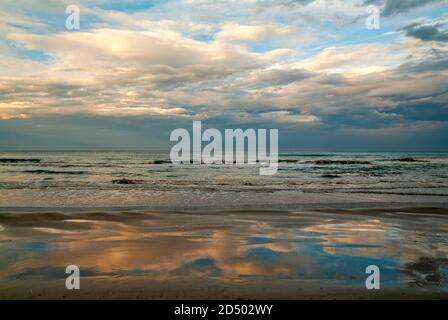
(139, 227)
(252, 254)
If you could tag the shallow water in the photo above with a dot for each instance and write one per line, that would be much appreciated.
(76, 179)
(318, 249)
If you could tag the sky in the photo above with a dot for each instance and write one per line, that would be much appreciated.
(135, 70)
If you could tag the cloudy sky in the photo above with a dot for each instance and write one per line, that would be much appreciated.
(138, 69)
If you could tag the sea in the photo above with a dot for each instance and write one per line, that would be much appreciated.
(149, 179)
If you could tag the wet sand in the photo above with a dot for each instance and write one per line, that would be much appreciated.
(224, 254)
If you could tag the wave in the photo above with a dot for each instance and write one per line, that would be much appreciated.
(400, 193)
(10, 160)
(40, 171)
(126, 181)
(307, 155)
(409, 160)
(342, 162)
(330, 176)
(288, 161)
(159, 162)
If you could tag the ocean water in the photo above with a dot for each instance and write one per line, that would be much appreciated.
(149, 178)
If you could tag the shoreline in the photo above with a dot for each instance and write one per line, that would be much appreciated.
(166, 200)
(398, 207)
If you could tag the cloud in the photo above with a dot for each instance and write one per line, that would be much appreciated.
(288, 117)
(231, 31)
(427, 32)
(359, 59)
(15, 110)
(286, 2)
(258, 63)
(394, 7)
(122, 72)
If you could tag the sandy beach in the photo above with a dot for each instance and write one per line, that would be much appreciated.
(224, 254)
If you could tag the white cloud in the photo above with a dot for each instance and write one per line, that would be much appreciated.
(288, 117)
(232, 31)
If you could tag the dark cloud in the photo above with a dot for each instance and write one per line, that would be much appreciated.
(427, 111)
(392, 7)
(425, 66)
(279, 77)
(366, 119)
(426, 32)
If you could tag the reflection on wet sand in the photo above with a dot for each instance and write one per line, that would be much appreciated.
(224, 249)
